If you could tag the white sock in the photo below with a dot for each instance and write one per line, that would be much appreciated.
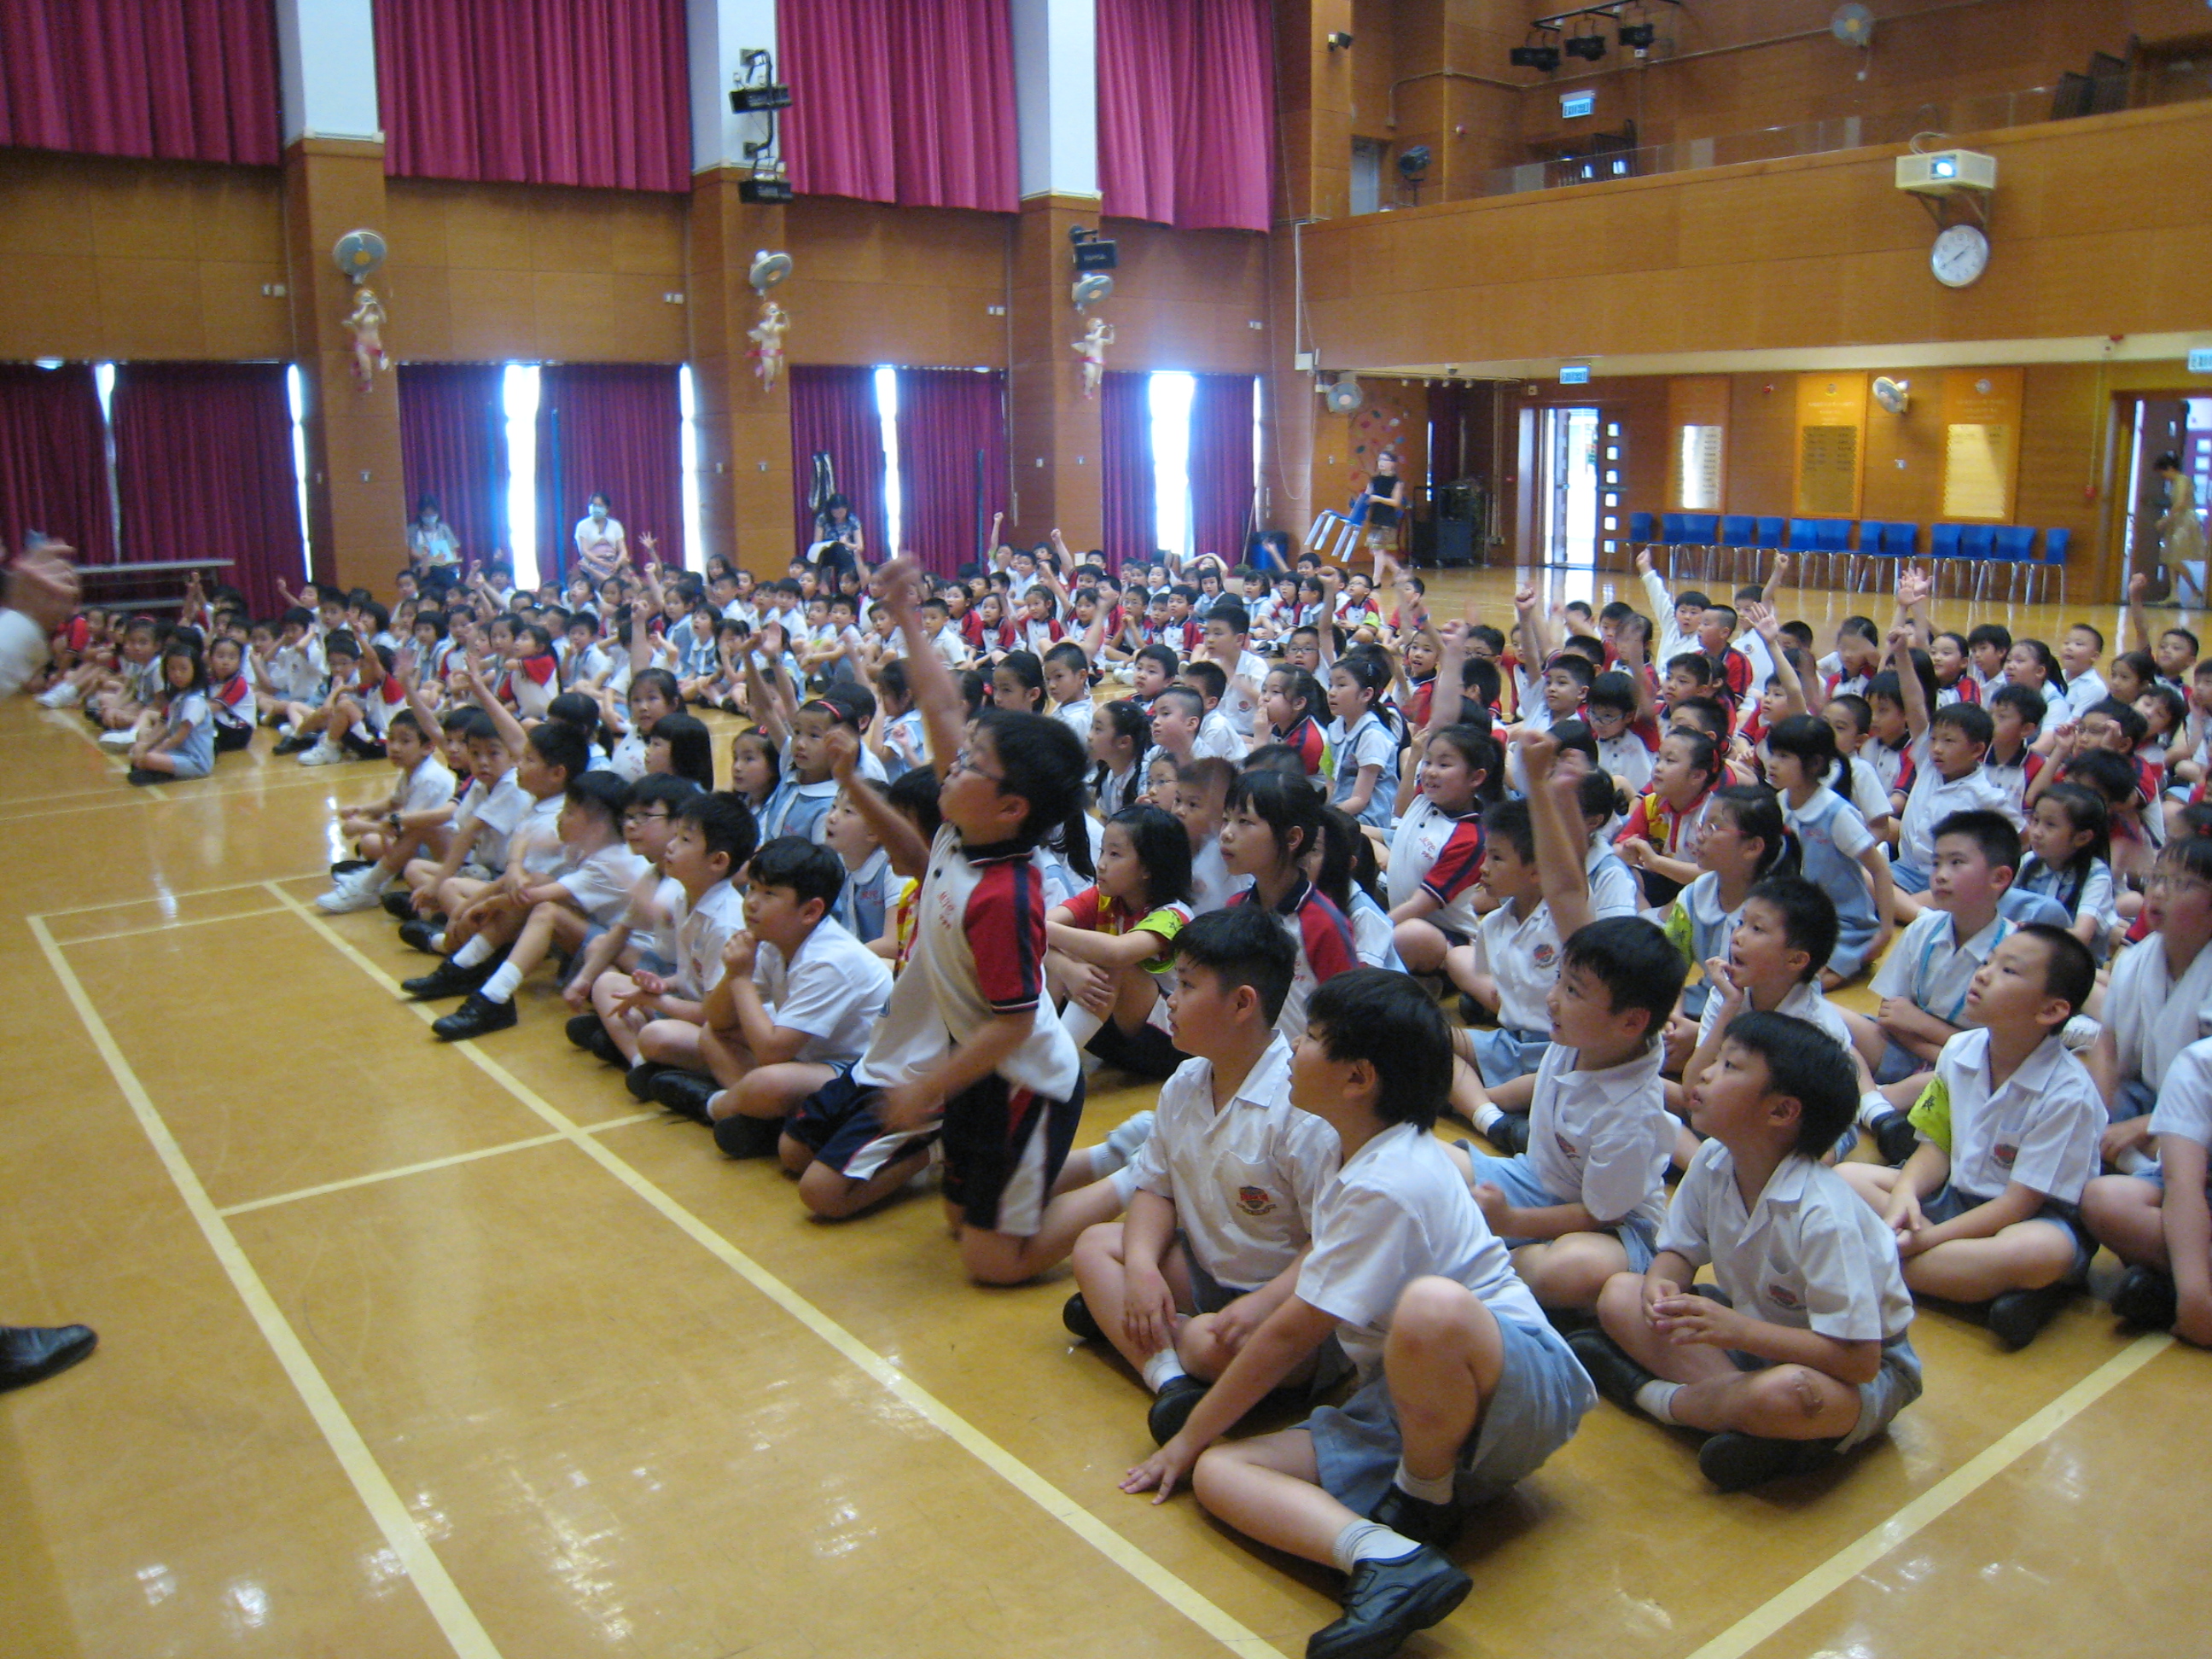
(1656, 1399)
(1079, 1022)
(501, 985)
(1873, 1106)
(1369, 1540)
(715, 1100)
(1486, 1117)
(477, 950)
(438, 943)
(2134, 1161)
(1438, 1490)
(1162, 1369)
(1120, 1146)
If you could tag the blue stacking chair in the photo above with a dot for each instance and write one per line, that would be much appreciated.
(1704, 532)
(1834, 536)
(2055, 543)
(1803, 545)
(1673, 538)
(1977, 547)
(1642, 529)
(1773, 533)
(1739, 534)
(2016, 547)
(1901, 541)
(1873, 535)
(1943, 551)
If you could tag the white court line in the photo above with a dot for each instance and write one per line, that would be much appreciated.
(1954, 1488)
(1163, 1584)
(250, 788)
(376, 1177)
(169, 897)
(170, 926)
(439, 1594)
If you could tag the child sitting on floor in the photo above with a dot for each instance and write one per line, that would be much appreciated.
(2157, 1221)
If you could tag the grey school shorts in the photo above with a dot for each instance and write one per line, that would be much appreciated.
(1504, 1054)
(1541, 1394)
(1636, 1234)
(1953, 1201)
(1894, 1387)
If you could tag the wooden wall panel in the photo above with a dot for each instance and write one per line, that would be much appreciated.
(1188, 298)
(876, 284)
(1694, 400)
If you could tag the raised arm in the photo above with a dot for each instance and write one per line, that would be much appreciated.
(1536, 637)
(943, 712)
(1760, 615)
(1555, 817)
(1914, 694)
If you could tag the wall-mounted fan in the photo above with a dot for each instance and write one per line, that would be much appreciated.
(1339, 394)
(1091, 288)
(1892, 395)
(1852, 24)
(358, 253)
(767, 270)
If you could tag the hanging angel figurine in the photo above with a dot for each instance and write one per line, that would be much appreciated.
(367, 323)
(766, 336)
(1092, 347)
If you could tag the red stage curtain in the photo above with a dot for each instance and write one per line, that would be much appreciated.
(553, 92)
(1185, 112)
(185, 80)
(901, 101)
(452, 445)
(53, 460)
(203, 467)
(946, 417)
(616, 429)
(1126, 479)
(833, 412)
(1221, 465)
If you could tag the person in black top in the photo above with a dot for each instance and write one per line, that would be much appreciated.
(1386, 501)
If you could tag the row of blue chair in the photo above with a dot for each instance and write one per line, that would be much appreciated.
(1727, 546)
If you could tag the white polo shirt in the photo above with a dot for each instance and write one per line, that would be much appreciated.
(428, 786)
(1934, 798)
(498, 809)
(1524, 958)
(2184, 1103)
(1935, 969)
(701, 933)
(1807, 1253)
(1602, 1138)
(1243, 1179)
(601, 883)
(1077, 716)
(1804, 1000)
(1216, 736)
(537, 838)
(833, 988)
(2040, 1129)
(1611, 883)
(1400, 1210)
(2152, 1016)
(1242, 707)
(1431, 850)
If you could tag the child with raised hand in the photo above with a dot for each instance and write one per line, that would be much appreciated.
(1109, 945)
(1365, 754)
(1436, 850)
(1839, 854)
(179, 742)
(1271, 825)
(2070, 844)
(1424, 1302)
(1744, 841)
(967, 1050)
(1800, 1347)
(416, 818)
(1219, 1195)
(1986, 1208)
(2158, 1220)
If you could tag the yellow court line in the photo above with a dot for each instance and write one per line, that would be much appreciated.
(1161, 1582)
(168, 926)
(378, 1177)
(439, 1594)
(1969, 1478)
(168, 897)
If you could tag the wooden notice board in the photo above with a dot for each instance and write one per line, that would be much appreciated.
(1831, 444)
(1981, 442)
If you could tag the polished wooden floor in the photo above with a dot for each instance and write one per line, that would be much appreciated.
(408, 1349)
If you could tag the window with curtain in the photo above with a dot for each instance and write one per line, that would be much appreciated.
(452, 445)
(615, 428)
(834, 413)
(126, 78)
(951, 427)
(553, 92)
(1126, 479)
(53, 459)
(1185, 112)
(1223, 465)
(909, 101)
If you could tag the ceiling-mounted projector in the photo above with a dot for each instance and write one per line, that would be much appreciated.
(1941, 171)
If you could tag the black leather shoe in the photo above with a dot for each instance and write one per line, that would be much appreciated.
(2016, 1316)
(477, 1016)
(1172, 1407)
(1510, 1134)
(1617, 1375)
(1386, 1601)
(1735, 1461)
(143, 775)
(399, 904)
(447, 978)
(580, 1029)
(1894, 1138)
(739, 1136)
(32, 1353)
(686, 1094)
(1076, 1316)
(2145, 1297)
(1433, 1524)
(417, 935)
(638, 1081)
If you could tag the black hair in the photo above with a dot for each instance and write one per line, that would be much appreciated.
(1480, 752)
(1041, 761)
(1857, 706)
(1612, 690)
(377, 614)
(1971, 721)
(690, 747)
(1067, 654)
(1803, 1063)
(1993, 834)
(1690, 596)
(1810, 922)
(661, 789)
(2024, 699)
(725, 824)
(1638, 964)
(1757, 812)
(1228, 610)
(1287, 806)
(1508, 821)
(1387, 1020)
(404, 720)
(2131, 723)
(2181, 634)
(475, 725)
(607, 793)
(558, 744)
(2094, 633)
(1812, 740)
(2069, 972)
(1026, 668)
(2110, 774)
(2140, 663)
(1479, 678)
(1241, 945)
(913, 793)
(1698, 667)
(1347, 859)
(796, 863)
(1276, 757)
(1704, 751)
(670, 692)
(1180, 694)
(2170, 701)
(1369, 670)
(856, 705)
(1584, 648)
(1205, 678)
(1990, 633)
(577, 709)
(1579, 669)
(1301, 688)
(1163, 848)
(186, 649)
(2053, 673)
(338, 642)
(2086, 809)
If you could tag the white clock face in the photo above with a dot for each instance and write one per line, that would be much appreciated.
(1961, 253)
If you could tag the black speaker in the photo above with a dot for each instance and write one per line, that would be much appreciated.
(1454, 544)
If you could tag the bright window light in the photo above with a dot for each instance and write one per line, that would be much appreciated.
(103, 382)
(894, 498)
(1171, 394)
(295, 392)
(694, 542)
(518, 397)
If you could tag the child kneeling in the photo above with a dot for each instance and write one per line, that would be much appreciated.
(1803, 1351)
(1464, 1389)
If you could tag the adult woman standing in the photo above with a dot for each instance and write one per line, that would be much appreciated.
(838, 544)
(1386, 501)
(2180, 532)
(601, 548)
(431, 543)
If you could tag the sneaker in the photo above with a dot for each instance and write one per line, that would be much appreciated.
(1386, 1601)
(1172, 1407)
(1894, 1138)
(2016, 1316)
(323, 754)
(61, 694)
(1124, 1139)
(2145, 1297)
(739, 1136)
(122, 739)
(477, 1016)
(447, 978)
(1075, 1314)
(1433, 1524)
(1617, 1375)
(686, 1094)
(1510, 1134)
(1734, 1461)
(347, 898)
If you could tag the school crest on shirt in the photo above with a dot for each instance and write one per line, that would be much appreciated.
(1256, 1200)
(1546, 954)
(1782, 1297)
(2004, 1154)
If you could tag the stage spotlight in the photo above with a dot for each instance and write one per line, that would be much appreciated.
(1414, 163)
(1637, 36)
(1338, 41)
(1591, 46)
(1546, 58)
